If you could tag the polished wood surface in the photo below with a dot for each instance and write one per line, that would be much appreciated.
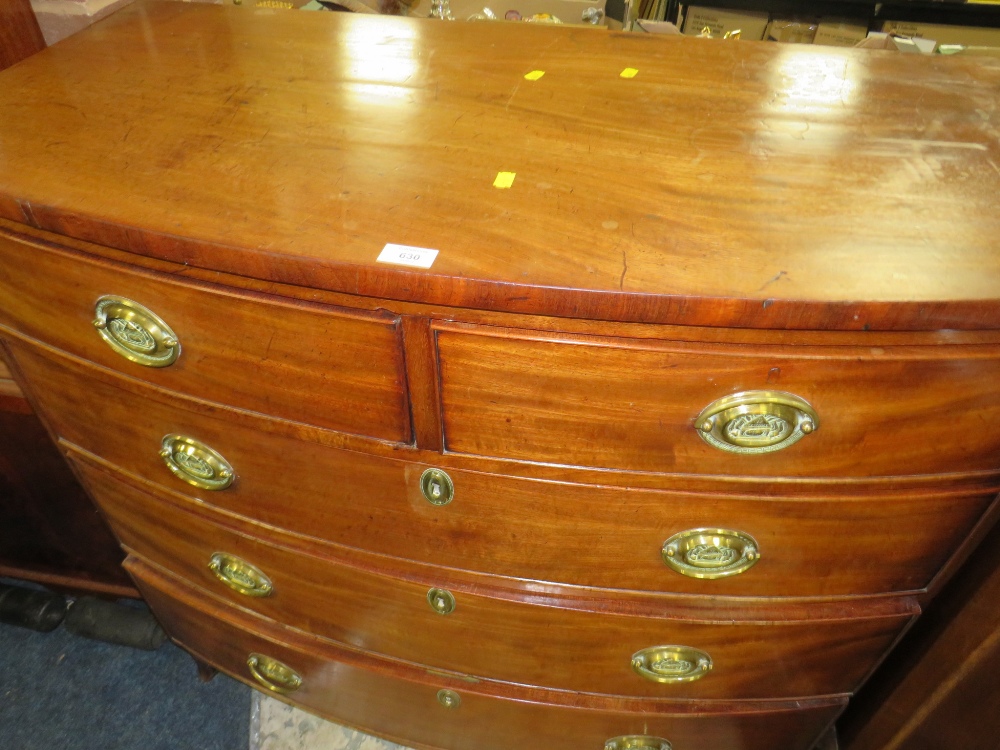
(811, 545)
(749, 185)
(250, 351)
(382, 612)
(20, 35)
(622, 404)
(736, 217)
(397, 700)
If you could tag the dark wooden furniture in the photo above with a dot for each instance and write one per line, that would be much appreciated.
(670, 443)
(20, 35)
(939, 688)
(50, 531)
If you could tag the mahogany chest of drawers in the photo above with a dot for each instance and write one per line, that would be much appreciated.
(479, 409)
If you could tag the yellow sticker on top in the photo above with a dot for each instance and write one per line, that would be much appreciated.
(534, 75)
(504, 179)
(629, 73)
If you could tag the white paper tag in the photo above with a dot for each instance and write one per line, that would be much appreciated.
(404, 255)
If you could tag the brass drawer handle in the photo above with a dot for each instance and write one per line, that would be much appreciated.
(671, 663)
(196, 463)
(272, 674)
(239, 575)
(637, 742)
(437, 487)
(442, 601)
(710, 553)
(135, 332)
(756, 421)
(449, 698)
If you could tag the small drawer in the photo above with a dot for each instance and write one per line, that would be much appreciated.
(436, 710)
(669, 407)
(329, 367)
(558, 642)
(862, 541)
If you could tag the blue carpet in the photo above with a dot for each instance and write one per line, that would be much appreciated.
(59, 691)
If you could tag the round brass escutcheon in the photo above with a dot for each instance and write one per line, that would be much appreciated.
(135, 332)
(272, 674)
(756, 422)
(637, 742)
(196, 463)
(449, 698)
(239, 575)
(436, 487)
(441, 600)
(710, 553)
(671, 663)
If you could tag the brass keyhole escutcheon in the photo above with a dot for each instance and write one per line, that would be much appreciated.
(239, 575)
(272, 674)
(710, 553)
(756, 422)
(441, 600)
(436, 487)
(671, 664)
(637, 742)
(449, 698)
(135, 332)
(196, 463)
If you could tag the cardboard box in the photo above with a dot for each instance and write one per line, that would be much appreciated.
(750, 24)
(839, 32)
(973, 36)
(791, 30)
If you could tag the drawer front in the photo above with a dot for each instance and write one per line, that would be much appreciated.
(539, 530)
(635, 404)
(397, 700)
(336, 369)
(549, 645)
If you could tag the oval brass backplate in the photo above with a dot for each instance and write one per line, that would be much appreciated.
(637, 742)
(436, 487)
(196, 463)
(442, 601)
(272, 674)
(756, 422)
(671, 663)
(449, 698)
(135, 332)
(710, 553)
(239, 575)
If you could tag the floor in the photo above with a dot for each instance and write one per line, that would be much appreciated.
(277, 726)
(62, 692)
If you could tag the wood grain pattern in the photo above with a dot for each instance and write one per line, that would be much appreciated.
(816, 545)
(335, 368)
(20, 36)
(625, 404)
(734, 217)
(724, 185)
(542, 645)
(505, 318)
(397, 700)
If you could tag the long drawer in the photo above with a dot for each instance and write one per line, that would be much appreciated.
(862, 543)
(400, 700)
(335, 368)
(645, 405)
(552, 644)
